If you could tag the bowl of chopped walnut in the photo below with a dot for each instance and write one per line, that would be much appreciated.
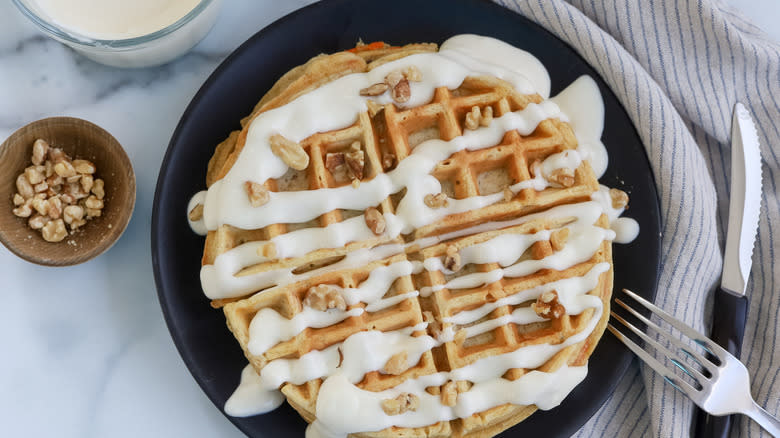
(67, 191)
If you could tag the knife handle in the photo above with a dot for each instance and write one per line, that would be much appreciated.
(729, 313)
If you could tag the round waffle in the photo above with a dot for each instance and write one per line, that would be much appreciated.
(453, 282)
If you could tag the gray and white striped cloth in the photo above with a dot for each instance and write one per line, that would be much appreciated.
(678, 67)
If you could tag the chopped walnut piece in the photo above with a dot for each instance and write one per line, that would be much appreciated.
(18, 199)
(397, 364)
(487, 116)
(375, 221)
(87, 181)
(78, 223)
(547, 305)
(478, 117)
(472, 118)
(355, 160)
(40, 205)
(541, 249)
(74, 190)
(452, 258)
(40, 149)
(55, 180)
(257, 194)
(558, 239)
(64, 169)
(34, 176)
(93, 212)
(433, 324)
(388, 160)
(394, 77)
(67, 198)
(334, 160)
(268, 250)
(24, 210)
(508, 194)
(56, 155)
(436, 201)
(563, 177)
(619, 198)
(402, 91)
(375, 90)
(84, 167)
(433, 390)
(93, 203)
(72, 214)
(323, 297)
(54, 231)
(41, 187)
(289, 151)
(196, 213)
(38, 221)
(449, 394)
(24, 187)
(98, 188)
(403, 403)
(54, 208)
(413, 74)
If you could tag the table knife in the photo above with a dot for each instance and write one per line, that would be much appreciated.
(730, 304)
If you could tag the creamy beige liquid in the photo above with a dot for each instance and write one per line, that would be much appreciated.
(114, 19)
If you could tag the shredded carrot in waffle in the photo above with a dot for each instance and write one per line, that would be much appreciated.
(371, 46)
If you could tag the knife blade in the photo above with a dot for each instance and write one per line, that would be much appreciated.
(730, 304)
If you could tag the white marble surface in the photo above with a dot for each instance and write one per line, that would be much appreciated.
(86, 351)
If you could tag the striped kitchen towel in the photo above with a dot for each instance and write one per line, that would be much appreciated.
(678, 67)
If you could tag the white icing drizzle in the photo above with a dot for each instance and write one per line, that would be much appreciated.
(569, 290)
(342, 407)
(268, 328)
(626, 229)
(251, 397)
(413, 173)
(369, 351)
(581, 102)
(584, 240)
(479, 51)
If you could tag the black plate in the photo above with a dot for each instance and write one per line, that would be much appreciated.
(207, 347)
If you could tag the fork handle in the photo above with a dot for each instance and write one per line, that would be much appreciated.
(729, 313)
(764, 419)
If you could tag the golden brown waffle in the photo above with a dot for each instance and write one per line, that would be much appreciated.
(465, 174)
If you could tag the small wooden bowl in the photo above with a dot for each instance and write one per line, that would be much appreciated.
(79, 139)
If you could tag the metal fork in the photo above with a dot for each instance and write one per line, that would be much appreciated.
(727, 388)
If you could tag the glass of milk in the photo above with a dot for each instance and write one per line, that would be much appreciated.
(124, 33)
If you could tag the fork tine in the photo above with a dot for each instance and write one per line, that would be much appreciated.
(701, 360)
(687, 330)
(657, 366)
(694, 373)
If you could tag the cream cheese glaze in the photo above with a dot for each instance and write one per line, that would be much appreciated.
(114, 19)
(225, 203)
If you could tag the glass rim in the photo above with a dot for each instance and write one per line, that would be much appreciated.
(125, 43)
